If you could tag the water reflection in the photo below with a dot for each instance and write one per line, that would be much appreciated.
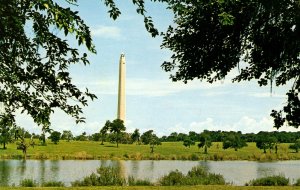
(122, 168)
(42, 168)
(4, 172)
(67, 171)
(22, 167)
(133, 168)
(205, 165)
(263, 171)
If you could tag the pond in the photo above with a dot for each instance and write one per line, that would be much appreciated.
(67, 171)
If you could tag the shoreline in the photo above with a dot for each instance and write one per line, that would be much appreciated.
(91, 150)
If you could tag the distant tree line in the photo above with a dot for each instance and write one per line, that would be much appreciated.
(218, 136)
(114, 132)
(236, 140)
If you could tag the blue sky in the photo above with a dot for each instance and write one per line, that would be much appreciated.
(153, 101)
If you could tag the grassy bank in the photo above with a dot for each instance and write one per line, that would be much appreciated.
(166, 151)
(206, 187)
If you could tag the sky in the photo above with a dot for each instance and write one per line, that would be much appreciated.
(153, 101)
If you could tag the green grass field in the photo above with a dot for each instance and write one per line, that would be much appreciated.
(206, 187)
(166, 151)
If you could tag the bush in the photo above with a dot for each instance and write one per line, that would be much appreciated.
(278, 180)
(200, 176)
(198, 171)
(196, 176)
(53, 184)
(194, 157)
(28, 183)
(110, 176)
(106, 176)
(297, 182)
(173, 178)
(138, 182)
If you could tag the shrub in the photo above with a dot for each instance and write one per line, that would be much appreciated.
(173, 178)
(106, 176)
(200, 176)
(138, 182)
(297, 182)
(194, 157)
(198, 171)
(28, 183)
(196, 176)
(278, 180)
(53, 184)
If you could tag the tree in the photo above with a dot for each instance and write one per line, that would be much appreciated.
(233, 140)
(95, 137)
(181, 136)
(205, 141)
(154, 141)
(5, 136)
(146, 136)
(187, 142)
(210, 38)
(193, 136)
(172, 137)
(136, 136)
(67, 135)
(150, 138)
(265, 141)
(7, 131)
(22, 144)
(34, 64)
(104, 130)
(45, 129)
(295, 146)
(82, 137)
(117, 127)
(55, 137)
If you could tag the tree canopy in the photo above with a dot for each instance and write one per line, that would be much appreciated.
(34, 59)
(260, 38)
(234, 140)
(116, 126)
(205, 141)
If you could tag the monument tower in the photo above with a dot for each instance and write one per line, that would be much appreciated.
(121, 93)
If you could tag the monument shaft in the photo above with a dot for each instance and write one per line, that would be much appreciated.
(121, 93)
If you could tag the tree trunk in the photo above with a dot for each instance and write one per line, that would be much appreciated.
(4, 147)
(25, 155)
(205, 149)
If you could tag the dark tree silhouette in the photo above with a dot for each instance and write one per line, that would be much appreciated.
(210, 38)
(117, 127)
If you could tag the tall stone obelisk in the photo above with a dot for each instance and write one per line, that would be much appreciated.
(121, 94)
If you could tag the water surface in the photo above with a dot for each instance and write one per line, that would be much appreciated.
(67, 171)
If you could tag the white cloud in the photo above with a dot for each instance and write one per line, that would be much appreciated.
(245, 124)
(110, 32)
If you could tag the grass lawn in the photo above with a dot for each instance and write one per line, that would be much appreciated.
(206, 187)
(166, 151)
